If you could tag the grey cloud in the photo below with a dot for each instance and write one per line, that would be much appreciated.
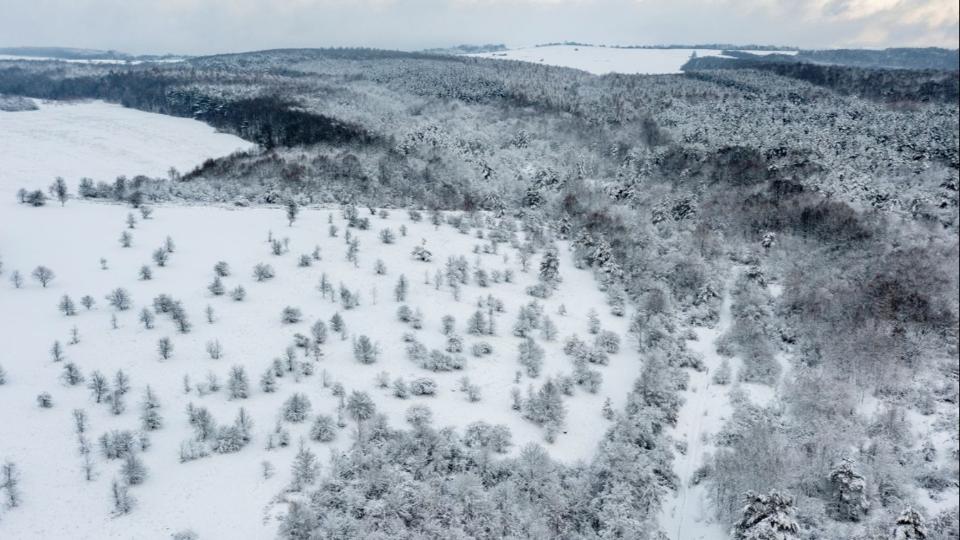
(208, 26)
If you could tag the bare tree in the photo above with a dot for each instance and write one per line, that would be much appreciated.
(43, 274)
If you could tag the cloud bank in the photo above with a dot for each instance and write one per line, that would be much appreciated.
(210, 26)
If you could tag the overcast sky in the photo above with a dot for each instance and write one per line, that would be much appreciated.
(209, 26)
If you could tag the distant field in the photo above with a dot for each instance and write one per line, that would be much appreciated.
(602, 60)
(101, 141)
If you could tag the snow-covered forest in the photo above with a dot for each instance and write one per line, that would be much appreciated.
(355, 293)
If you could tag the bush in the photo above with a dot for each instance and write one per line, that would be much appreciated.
(423, 386)
(291, 315)
(263, 272)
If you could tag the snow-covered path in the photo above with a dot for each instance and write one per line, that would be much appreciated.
(687, 515)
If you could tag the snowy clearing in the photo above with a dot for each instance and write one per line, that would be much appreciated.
(234, 494)
(100, 141)
(603, 60)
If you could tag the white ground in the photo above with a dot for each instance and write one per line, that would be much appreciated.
(687, 514)
(603, 60)
(223, 492)
(101, 141)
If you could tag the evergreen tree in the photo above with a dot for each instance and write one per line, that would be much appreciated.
(268, 382)
(221, 269)
(133, 470)
(298, 523)
(71, 374)
(67, 306)
(296, 408)
(10, 483)
(400, 291)
(531, 357)
(165, 347)
(237, 385)
(123, 502)
(361, 408)
(849, 493)
(767, 517)
(304, 470)
(160, 257)
(121, 382)
(292, 211)
(550, 268)
(477, 324)
(593, 322)
(238, 294)
(909, 526)
(216, 287)
(150, 418)
(365, 351)
(319, 332)
(56, 352)
(324, 428)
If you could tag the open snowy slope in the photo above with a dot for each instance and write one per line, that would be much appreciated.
(603, 60)
(228, 492)
(100, 141)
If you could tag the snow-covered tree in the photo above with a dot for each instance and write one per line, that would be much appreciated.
(365, 350)
(263, 272)
(133, 471)
(150, 419)
(67, 307)
(849, 493)
(291, 315)
(361, 408)
(296, 408)
(238, 387)
(304, 470)
(123, 501)
(10, 483)
(59, 190)
(530, 357)
(909, 526)
(292, 210)
(43, 274)
(72, 375)
(165, 347)
(767, 517)
(119, 298)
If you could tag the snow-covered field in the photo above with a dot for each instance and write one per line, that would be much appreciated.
(100, 141)
(603, 60)
(228, 492)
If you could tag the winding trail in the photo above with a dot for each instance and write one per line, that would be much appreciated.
(687, 515)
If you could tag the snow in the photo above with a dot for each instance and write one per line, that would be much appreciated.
(226, 492)
(101, 141)
(603, 60)
(687, 515)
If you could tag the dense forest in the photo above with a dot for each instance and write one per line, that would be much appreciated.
(835, 186)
